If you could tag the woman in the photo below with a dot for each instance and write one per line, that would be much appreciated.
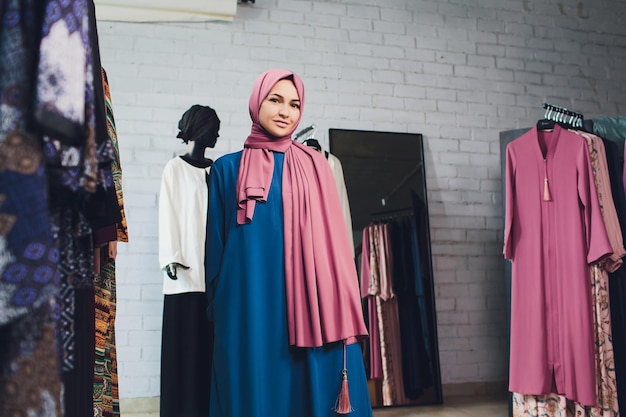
(281, 279)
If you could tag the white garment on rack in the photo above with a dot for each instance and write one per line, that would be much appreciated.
(337, 169)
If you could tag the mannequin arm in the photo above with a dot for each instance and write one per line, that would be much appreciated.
(170, 269)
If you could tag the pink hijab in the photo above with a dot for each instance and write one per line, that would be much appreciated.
(322, 289)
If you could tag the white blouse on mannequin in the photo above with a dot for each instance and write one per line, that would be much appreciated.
(183, 206)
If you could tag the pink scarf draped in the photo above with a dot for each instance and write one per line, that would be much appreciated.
(322, 289)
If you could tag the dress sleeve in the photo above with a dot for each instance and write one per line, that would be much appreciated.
(169, 226)
(598, 245)
(509, 205)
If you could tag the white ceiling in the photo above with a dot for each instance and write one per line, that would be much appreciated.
(165, 10)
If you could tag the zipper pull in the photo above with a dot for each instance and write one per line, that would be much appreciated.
(547, 196)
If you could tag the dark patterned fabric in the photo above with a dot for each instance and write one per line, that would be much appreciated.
(106, 401)
(54, 156)
(27, 253)
(116, 165)
(105, 387)
(29, 379)
(63, 93)
(73, 233)
(29, 382)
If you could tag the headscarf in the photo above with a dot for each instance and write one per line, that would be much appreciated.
(323, 302)
(197, 122)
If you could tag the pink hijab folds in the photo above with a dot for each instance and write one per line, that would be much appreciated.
(322, 289)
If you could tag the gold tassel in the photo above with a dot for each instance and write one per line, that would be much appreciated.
(342, 405)
(546, 191)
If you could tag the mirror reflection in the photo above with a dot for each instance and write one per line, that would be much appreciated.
(386, 189)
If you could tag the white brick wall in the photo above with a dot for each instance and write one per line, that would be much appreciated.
(457, 71)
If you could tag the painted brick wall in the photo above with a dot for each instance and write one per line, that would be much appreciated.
(457, 71)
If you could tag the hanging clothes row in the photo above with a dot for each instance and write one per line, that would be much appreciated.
(61, 206)
(612, 130)
(394, 288)
(563, 237)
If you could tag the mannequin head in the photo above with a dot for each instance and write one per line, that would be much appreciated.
(199, 124)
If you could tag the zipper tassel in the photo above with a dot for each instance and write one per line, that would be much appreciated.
(546, 190)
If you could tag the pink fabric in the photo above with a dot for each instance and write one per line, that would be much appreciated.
(376, 364)
(624, 172)
(597, 155)
(322, 289)
(366, 271)
(257, 161)
(551, 244)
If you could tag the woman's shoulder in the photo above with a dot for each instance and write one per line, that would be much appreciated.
(227, 161)
(229, 157)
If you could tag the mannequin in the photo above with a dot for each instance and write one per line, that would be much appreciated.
(187, 341)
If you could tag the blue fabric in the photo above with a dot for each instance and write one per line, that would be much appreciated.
(255, 371)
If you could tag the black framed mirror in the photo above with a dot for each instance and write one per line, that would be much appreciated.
(386, 186)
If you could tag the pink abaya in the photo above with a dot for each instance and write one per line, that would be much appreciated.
(553, 231)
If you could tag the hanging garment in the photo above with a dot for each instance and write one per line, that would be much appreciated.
(369, 289)
(597, 157)
(554, 405)
(607, 404)
(409, 290)
(388, 320)
(105, 389)
(337, 169)
(70, 112)
(613, 129)
(246, 283)
(553, 231)
(30, 381)
(617, 279)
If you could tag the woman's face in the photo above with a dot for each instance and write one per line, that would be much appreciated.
(280, 110)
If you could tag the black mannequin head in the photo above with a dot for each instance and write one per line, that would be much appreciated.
(199, 124)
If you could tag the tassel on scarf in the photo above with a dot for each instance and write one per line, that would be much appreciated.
(342, 405)
(546, 190)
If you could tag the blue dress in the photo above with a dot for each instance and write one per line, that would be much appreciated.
(255, 371)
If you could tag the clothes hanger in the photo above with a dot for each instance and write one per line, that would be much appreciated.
(304, 134)
(313, 143)
(565, 118)
(307, 137)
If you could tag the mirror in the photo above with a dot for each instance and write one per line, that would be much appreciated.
(386, 186)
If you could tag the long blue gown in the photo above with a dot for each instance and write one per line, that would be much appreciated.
(255, 371)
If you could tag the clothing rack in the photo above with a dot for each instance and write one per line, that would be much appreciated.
(392, 214)
(564, 117)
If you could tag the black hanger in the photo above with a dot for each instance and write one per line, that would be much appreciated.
(565, 118)
(545, 124)
(313, 143)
